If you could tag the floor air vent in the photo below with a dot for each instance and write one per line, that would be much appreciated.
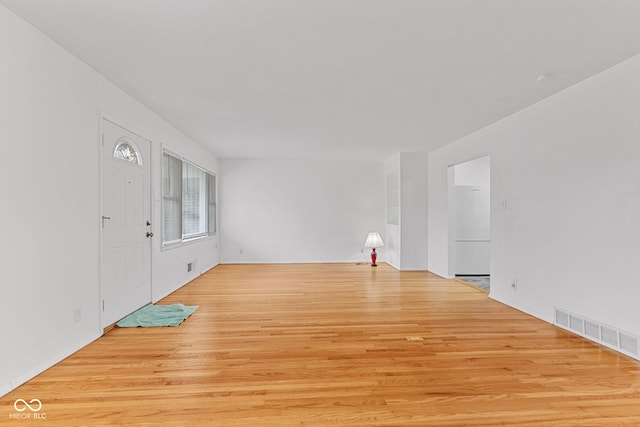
(616, 339)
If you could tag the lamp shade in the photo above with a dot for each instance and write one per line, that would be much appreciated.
(373, 241)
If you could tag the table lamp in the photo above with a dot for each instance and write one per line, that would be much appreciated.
(373, 241)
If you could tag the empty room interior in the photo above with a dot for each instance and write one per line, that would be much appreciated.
(383, 212)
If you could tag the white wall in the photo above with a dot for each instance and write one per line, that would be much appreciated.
(392, 239)
(476, 172)
(566, 169)
(49, 245)
(406, 218)
(50, 107)
(295, 210)
(413, 211)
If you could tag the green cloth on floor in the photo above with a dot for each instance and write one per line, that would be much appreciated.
(157, 315)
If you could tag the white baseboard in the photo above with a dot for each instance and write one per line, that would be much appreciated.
(208, 268)
(4, 389)
(165, 294)
(524, 310)
(17, 382)
(397, 267)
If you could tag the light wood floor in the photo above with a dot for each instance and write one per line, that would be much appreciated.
(326, 345)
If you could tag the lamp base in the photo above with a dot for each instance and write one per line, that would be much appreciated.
(374, 255)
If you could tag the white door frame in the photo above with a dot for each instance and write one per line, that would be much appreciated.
(102, 117)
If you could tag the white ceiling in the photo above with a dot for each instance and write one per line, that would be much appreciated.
(358, 79)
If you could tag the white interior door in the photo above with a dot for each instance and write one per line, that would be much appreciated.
(126, 223)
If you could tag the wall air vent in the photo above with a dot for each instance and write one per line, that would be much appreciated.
(629, 343)
(562, 318)
(576, 323)
(606, 335)
(610, 336)
(592, 330)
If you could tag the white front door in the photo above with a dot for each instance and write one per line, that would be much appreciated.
(125, 282)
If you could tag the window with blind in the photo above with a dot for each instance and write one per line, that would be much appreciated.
(189, 201)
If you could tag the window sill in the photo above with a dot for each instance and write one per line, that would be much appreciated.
(186, 242)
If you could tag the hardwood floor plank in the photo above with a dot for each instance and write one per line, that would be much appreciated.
(337, 344)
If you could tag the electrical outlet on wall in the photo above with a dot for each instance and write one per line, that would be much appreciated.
(77, 314)
(514, 284)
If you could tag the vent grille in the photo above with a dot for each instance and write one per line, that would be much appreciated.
(621, 341)
(592, 330)
(576, 323)
(628, 343)
(562, 318)
(610, 336)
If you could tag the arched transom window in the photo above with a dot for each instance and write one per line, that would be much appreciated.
(127, 151)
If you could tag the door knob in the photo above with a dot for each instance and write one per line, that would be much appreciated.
(149, 234)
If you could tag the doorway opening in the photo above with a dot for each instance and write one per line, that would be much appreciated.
(470, 222)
